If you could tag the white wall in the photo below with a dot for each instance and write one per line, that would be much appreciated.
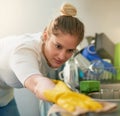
(21, 16)
(101, 16)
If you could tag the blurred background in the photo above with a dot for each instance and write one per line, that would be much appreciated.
(31, 16)
(28, 16)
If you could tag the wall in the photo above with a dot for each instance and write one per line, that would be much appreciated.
(21, 16)
(101, 16)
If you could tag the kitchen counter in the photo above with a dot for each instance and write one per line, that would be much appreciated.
(113, 113)
(109, 93)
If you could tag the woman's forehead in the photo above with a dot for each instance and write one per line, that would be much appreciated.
(66, 40)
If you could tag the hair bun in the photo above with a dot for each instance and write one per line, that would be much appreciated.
(68, 10)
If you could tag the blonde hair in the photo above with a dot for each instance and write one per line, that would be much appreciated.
(68, 10)
(66, 23)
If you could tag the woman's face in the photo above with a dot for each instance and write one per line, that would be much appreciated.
(58, 49)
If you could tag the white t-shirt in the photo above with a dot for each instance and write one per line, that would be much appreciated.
(20, 57)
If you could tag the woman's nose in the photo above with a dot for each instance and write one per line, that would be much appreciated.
(62, 55)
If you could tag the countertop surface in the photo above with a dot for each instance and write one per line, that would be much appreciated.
(112, 113)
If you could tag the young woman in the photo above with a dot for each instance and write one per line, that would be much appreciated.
(33, 61)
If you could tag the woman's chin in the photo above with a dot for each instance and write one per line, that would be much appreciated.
(56, 65)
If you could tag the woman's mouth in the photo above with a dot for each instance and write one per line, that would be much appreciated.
(59, 62)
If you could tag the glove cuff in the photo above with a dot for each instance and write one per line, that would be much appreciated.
(54, 94)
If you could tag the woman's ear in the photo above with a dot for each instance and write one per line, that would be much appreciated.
(45, 35)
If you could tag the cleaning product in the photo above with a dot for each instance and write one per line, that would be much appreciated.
(90, 53)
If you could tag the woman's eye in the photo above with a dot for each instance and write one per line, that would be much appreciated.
(58, 46)
(71, 51)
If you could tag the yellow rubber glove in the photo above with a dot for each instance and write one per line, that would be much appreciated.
(69, 100)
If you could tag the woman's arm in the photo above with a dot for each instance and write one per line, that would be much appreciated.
(38, 84)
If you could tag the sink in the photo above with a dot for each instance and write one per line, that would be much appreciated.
(108, 92)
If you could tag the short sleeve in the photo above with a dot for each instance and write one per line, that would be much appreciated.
(24, 62)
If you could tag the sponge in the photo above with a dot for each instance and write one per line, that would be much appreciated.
(88, 86)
